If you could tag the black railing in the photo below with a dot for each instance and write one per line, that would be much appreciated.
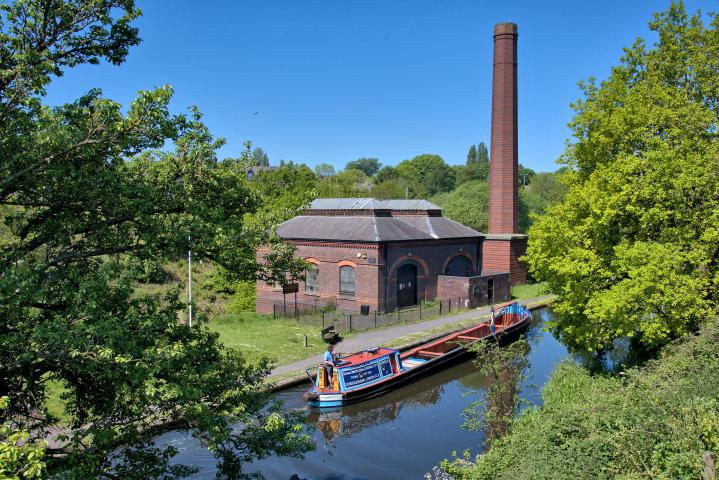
(323, 315)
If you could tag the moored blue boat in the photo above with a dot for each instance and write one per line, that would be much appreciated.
(366, 374)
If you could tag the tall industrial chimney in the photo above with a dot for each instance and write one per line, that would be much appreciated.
(504, 244)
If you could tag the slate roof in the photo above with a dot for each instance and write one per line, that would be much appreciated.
(371, 204)
(372, 228)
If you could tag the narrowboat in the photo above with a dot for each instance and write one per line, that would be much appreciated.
(369, 373)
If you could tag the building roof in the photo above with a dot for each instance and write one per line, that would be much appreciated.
(371, 204)
(371, 220)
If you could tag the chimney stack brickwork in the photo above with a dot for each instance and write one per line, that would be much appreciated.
(503, 192)
(504, 244)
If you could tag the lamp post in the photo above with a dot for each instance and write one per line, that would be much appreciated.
(189, 280)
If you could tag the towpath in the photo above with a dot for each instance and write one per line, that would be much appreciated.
(387, 336)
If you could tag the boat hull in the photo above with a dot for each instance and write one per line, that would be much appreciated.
(338, 399)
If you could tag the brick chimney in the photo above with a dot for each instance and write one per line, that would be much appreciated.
(504, 244)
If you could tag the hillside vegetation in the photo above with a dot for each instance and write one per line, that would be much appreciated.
(656, 421)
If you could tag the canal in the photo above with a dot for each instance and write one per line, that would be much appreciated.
(400, 435)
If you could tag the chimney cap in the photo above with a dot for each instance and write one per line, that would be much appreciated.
(506, 28)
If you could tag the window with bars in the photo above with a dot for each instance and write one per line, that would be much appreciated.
(312, 279)
(347, 280)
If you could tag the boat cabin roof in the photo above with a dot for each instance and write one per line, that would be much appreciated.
(365, 356)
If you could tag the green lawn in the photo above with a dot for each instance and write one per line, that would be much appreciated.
(258, 335)
(530, 290)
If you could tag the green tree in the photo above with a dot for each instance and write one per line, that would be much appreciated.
(633, 249)
(259, 158)
(472, 155)
(347, 184)
(18, 458)
(426, 175)
(482, 153)
(386, 173)
(324, 170)
(81, 183)
(389, 189)
(369, 166)
(467, 204)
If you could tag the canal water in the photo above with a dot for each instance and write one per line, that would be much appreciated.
(403, 434)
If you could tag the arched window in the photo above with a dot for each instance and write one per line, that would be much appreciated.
(459, 266)
(312, 279)
(347, 280)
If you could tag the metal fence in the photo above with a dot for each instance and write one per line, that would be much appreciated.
(323, 315)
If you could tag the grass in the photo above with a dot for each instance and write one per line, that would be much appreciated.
(260, 335)
(529, 290)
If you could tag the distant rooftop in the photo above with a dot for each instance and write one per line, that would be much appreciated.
(372, 204)
(372, 220)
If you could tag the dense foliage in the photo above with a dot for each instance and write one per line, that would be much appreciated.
(633, 250)
(86, 195)
(654, 422)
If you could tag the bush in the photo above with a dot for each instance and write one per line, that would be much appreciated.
(243, 298)
(653, 422)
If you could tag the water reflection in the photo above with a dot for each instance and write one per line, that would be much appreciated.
(350, 420)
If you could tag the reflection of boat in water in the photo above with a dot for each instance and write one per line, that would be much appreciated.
(369, 373)
(345, 422)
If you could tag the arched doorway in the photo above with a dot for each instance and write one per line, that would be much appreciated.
(406, 285)
(459, 266)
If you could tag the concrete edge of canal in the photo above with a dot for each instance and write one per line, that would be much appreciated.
(301, 379)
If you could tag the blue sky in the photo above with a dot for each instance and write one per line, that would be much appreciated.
(335, 80)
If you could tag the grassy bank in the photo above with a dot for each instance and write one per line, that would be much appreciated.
(652, 422)
(260, 335)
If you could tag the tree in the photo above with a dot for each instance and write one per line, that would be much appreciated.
(18, 458)
(467, 204)
(81, 183)
(369, 166)
(633, 249)
(324, 170)
(472, 155)
(386, 173)
(388, 190)
(426, 175)
(259, 158)
(482, 153)
(347, 184)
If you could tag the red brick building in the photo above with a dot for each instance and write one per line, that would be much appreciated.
(384, 255)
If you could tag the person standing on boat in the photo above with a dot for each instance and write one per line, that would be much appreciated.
(491, 320)
(328, 363)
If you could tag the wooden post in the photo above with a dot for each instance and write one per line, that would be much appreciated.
(420, 311)
(375, 319)
(710, 472)
(350, 322)
(305, 340)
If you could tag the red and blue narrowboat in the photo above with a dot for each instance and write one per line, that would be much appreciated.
(369, 373)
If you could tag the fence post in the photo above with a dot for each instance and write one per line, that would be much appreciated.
(274, 317)
(323, 319)
(350, 323)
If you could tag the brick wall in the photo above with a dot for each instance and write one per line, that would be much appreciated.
(431, 257)
(372, 287)
(475, 289)
(330, 257)
(503, 255)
